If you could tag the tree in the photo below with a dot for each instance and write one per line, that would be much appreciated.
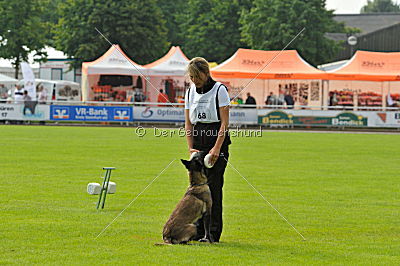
(50, 17)
(271, 24)
(380, 6)
(22, 31)
(171, 13)
(210, 28)
(137, 26)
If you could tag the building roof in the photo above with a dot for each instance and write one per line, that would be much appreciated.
(369, 22)
(52, 53)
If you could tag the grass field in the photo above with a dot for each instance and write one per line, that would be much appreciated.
(341, 191)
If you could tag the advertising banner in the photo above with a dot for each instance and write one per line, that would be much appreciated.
(158, 114)
(303, 119)
(386, 119)
(328, 118)
(91, 113)
(30, 111)
(243, 116)
(171, 114)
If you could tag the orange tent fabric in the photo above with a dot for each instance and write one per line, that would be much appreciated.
(246, 63)
(369, 66)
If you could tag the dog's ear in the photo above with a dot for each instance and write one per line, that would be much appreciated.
(186, 163)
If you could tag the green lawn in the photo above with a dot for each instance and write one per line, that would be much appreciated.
(341, 191)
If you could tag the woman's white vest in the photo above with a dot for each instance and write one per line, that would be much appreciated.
(202, 107)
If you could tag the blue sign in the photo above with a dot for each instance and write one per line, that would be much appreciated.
(90, 113)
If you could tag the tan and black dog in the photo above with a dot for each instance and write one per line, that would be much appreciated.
(195, 204)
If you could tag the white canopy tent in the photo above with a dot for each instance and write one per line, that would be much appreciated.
(7, 80)
(113, 62)
(168, 73)
(174, 63)
(6, 84)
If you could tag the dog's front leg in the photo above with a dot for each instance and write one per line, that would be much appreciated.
(207, 224)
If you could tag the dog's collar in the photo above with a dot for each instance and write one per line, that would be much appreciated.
(197, 185)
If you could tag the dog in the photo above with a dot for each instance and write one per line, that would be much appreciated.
(196, 203)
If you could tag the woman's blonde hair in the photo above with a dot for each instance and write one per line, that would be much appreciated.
(198, 65)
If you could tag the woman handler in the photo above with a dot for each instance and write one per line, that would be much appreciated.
(206, 124)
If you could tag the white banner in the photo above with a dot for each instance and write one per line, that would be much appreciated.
(29, 80)
(158, 114)
(33, 112)
(171, 114)
(243, 116)
(385, 119)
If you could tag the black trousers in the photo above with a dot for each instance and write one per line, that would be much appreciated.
(216, 182)
(204, 137)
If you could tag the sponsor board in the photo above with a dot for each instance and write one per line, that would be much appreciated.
(387, 119)
(243, 116)
(29, 112)
(158, 114)
(170, 114)
(396, 117)
(90, 113)
(276, 118)
(344, 119)
(32, 111)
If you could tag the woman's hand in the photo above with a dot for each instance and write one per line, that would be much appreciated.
(214, 154)
(192, 150)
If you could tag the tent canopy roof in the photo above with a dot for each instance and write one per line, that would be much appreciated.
(371, 66)
(246, 63)
(4, 78)
(174, 63)
(333, 65)
(113, 62)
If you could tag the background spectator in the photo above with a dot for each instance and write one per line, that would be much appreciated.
(162, 97)
(270, 99)
(28, 103)
(250, 100)
(18, 94)
(42, 95)
(289, 100)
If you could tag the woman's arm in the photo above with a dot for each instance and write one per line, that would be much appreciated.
(189, 131)
(224, 115)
